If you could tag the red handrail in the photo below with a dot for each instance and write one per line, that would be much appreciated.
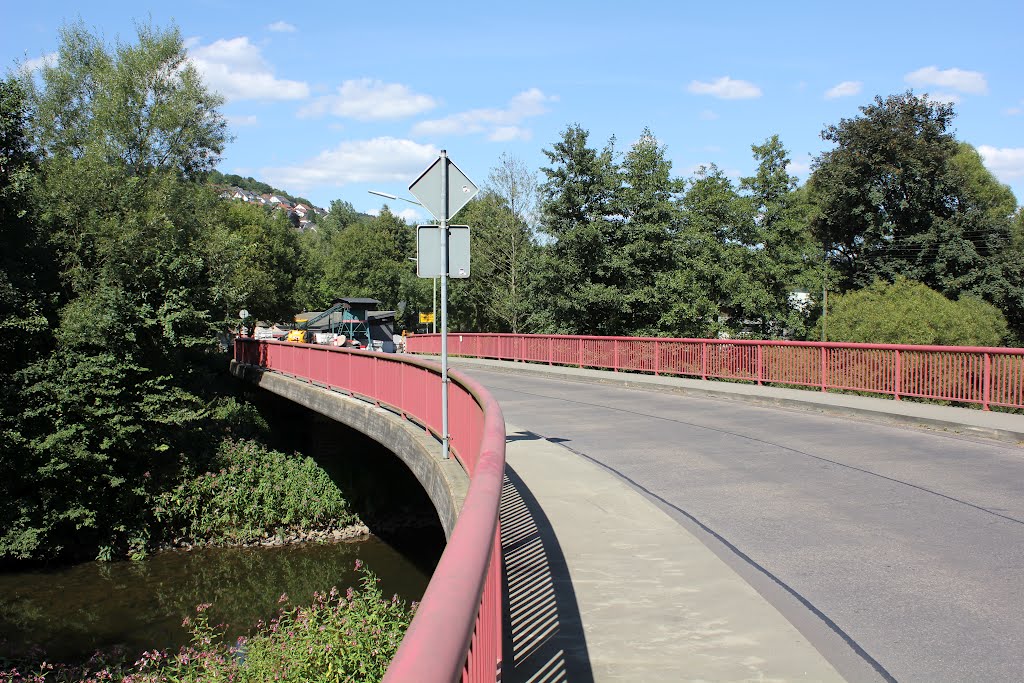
(989, 376)
(457, 630)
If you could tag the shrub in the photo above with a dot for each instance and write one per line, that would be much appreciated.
(907, 312)
(252, 492)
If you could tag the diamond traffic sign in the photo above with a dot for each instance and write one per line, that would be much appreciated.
(427, 189)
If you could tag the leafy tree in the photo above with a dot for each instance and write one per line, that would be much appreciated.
(370, 259)
(884, 186)
(697, 290)
(124, 135)
(254, 259)
(907, 312)
(649, 219)
(498, 296)
(26, 297)
(576, 279)
(780, 244)
(900, 196)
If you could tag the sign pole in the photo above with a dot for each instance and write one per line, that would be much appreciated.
(444, 304)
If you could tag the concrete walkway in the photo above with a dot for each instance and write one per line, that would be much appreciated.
(604, 586)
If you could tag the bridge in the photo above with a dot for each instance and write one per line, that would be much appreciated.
(662, 526)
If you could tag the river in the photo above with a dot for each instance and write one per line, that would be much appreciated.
(72, 611)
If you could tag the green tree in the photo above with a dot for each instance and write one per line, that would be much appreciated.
(883, 187)
(907, 312)
(370, 259)
(780, 244)
(254, 261)
(696, 293)
(125, 136)
(639, 253)
(498, 296)
(900, 196)
(576, 279)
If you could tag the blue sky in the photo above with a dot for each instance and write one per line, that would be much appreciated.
(328, 100)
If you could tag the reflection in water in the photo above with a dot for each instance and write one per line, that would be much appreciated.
(73, 611)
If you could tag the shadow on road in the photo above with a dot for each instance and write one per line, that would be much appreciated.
(544, 639)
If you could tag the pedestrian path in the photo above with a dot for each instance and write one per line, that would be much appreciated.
(604, 586)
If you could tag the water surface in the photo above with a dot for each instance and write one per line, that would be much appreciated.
(73, 611)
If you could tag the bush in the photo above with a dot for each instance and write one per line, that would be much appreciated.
(907, 312)
(251, 493)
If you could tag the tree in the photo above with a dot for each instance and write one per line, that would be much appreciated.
(576, 282)
(254, 260)
(124, 136)
(639, 244)
(900, 196)
(780, 243)
(882, 188)
(695, 295)
(498, 296)
(907, 312)
(370, 258)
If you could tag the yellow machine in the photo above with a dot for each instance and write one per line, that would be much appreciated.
(299, 335)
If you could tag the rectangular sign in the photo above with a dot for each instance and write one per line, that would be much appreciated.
(428, 251)
(426, 317)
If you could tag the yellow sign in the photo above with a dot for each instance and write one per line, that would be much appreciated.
(426, 317)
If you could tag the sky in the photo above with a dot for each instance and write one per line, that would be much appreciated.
(330, 100)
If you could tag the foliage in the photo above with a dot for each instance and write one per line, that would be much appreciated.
(497, 295)
(575, 282)
(123, 135)
(254, 261)
(350, 636)
(907, 312)
(900, 196)
(251, 492)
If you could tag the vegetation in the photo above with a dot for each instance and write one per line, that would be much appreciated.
(348, 636)
(106, 163)
(248, 493)
(907, 312)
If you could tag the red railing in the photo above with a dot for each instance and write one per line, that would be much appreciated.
(967, 374)
(457, 631)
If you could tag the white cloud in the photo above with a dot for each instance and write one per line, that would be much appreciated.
(944, 97)
(366, 99)
(970, 82)
(282, 27)
(725, 88)
(499, 124)
(1007, 163)
(383, 159)
(708, 115)
(236, 69)
(507, 133)
(800, 165)
(32, 65)
(1015, 111)
(248, 120)
(844, 89)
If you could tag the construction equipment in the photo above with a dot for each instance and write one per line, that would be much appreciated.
(301, 332)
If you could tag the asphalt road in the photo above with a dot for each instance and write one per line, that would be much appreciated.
(902, 549)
